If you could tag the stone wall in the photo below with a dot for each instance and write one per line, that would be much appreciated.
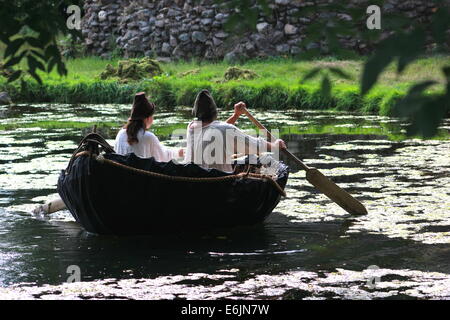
(195, 28)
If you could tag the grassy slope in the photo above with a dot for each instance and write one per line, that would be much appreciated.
(276, 87)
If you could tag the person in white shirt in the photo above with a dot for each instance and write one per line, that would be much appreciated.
(212, 143)
(134, 137)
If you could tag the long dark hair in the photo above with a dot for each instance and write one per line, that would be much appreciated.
(133, 127)
(142, 109)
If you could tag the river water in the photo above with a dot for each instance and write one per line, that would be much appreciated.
(309, 248)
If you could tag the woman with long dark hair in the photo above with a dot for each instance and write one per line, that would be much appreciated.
(134, 137)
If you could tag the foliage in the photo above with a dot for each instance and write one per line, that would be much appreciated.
(70, 47)
(29, 29)
(406, 43)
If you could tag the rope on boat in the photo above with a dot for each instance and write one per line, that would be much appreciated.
(242, 175)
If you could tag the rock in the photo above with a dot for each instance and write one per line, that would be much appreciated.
(282, 48)
(198, 36)
(262, 27)
(164, 59)
(172, 13)
(221, 35)
(173, 41)
(4, 98)
(219, 16)
(208, 13)
(184, 37)
(295, 50)
(312, 45)
(178, 52)
(145, 30)
(289, 29)
(206, 21)
(249, 47)
(304, 20)
(217, 42)
(345, 17)
(282, 2)
(277, 36)
(230, 57)
(159, 23)
(102, 15)
(166, 48)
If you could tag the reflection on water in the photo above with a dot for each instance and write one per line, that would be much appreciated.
(309, 248)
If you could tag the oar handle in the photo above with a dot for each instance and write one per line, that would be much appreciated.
(285, 150)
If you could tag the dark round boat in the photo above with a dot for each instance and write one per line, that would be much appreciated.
(108, 193)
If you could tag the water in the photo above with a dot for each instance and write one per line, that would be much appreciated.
(309, 248)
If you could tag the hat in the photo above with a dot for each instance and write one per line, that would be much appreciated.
(142, 108)
(204, 106)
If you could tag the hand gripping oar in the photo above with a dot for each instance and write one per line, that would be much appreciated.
(318, 180)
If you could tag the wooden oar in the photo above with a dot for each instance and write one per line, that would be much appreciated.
(50, 207)
(318, 180)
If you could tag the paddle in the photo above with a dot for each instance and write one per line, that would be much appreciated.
(318, 180)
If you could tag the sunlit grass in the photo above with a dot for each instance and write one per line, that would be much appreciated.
(277, 86)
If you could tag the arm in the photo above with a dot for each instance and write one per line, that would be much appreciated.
(241, 142)
(238, 110)
(161, 152)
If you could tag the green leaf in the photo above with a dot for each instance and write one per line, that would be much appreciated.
(52, 51)
(14, 60)
(14, 76)
(372, 70)
(62, 68)
(409, 47)
(13, 47)
(35, 42)
(51, 65)
(34, 64)
(35, 76)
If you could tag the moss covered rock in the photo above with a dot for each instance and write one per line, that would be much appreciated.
(132, 70)
(235, 73)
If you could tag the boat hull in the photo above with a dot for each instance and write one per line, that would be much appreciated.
(108, 199)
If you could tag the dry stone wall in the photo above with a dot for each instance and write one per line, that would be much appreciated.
(178, 29)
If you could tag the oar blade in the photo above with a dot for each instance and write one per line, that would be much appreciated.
(332, 191)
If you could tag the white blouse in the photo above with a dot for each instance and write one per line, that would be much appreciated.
(148, 146)
(213, 145)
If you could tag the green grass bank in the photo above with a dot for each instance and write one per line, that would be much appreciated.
(277, 85)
